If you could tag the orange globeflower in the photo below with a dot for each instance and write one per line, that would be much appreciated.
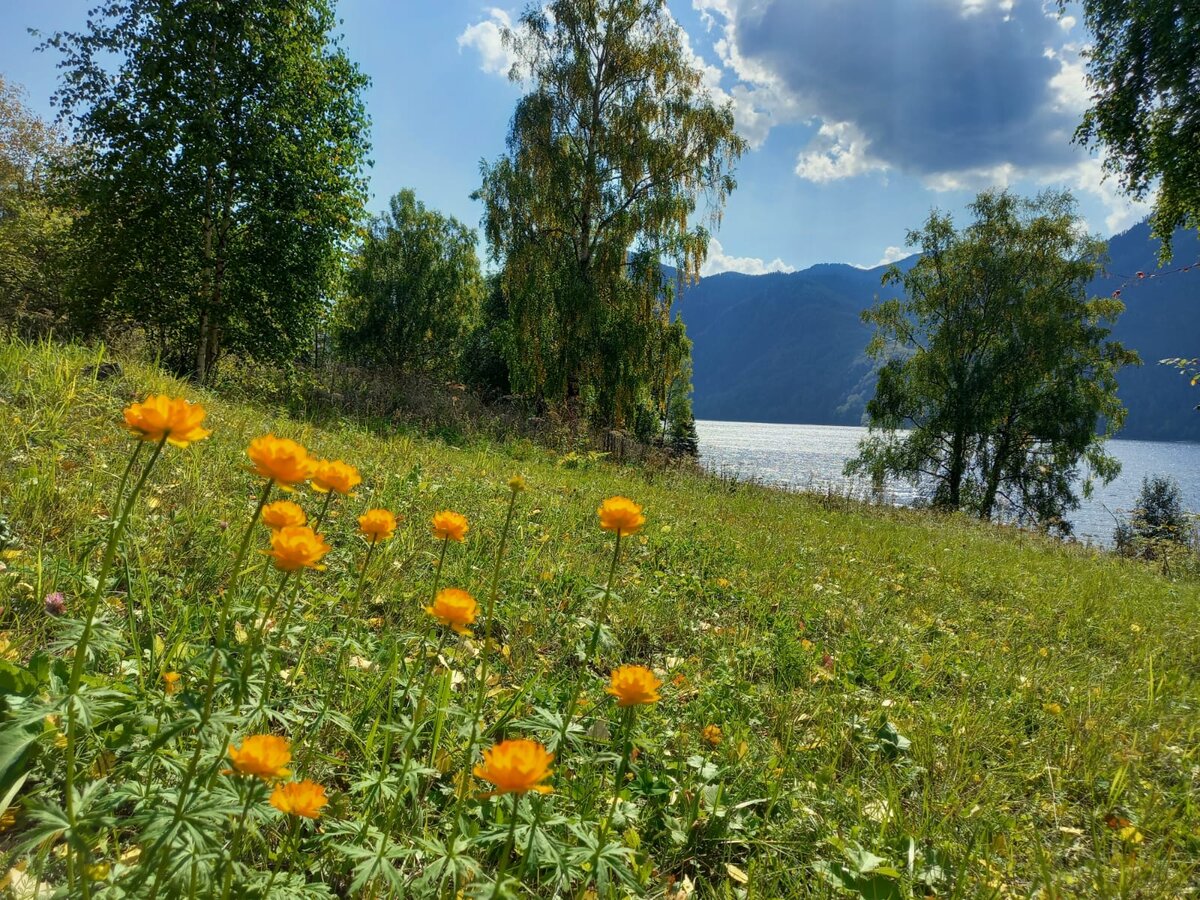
(297, 547)
(160, 416)
(265, 756)
(455, 608)
(299, 798)
(712, 734)
(634, 686)
(516, 767)
(622, 515)
(171, 682)
(376, 524)
(335, 475)
(280, 459)
(449, 525)
(282, 514)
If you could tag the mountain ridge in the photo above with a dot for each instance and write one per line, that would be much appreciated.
(789, 347)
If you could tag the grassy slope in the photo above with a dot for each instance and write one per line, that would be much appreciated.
(1044, 689)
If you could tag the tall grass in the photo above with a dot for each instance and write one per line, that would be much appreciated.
(854, 700)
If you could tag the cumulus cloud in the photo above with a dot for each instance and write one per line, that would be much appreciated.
(486, 37)
(929, 89)
(718, 261)
(839, 150)
(890, 255)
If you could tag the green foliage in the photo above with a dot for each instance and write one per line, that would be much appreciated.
(1145, 109)
(222, 170)
(1158, 524)
(34, 222)
(955, 710)
(414, 290)
(608, 158)
(997, 364)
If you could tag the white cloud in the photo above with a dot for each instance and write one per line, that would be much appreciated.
(718, 261)
(1068, 86)
(1122, 211)
(839, 150)
(487, 38)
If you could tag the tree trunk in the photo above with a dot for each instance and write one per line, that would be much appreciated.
(958, 468)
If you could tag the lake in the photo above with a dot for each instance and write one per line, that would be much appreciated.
(810, 457)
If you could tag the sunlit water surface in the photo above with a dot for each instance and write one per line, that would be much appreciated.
(811, 457)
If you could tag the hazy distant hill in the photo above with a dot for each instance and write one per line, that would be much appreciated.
(789, 348)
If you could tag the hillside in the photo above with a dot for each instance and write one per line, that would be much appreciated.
(789, 347)
(893, 702)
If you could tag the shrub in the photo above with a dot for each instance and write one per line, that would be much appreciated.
(1158, 524)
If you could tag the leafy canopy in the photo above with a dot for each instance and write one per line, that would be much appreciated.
(1144, 72)
(34, 223)
(997, 376)
(609, 156)
(414, 289)
(223, 169)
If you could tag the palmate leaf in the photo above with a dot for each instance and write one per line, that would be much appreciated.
(608, 858)
(548, 724)
(376, 860)
(445, 862)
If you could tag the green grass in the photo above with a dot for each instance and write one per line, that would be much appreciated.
(910, 704)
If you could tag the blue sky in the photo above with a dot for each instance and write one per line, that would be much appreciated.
(862, 114)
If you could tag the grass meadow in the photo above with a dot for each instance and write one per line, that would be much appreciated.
(854, 700)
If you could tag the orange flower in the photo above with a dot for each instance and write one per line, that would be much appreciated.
(448, 525)
(171, 682)
(712, 734)
(297, 547)
(455, 608)
(622, 515)
(160, 416)
(265, 756)
(335, 475)
(280, 459)
(283, 514)
(634, 686)
(516, 767)
(376, 524)
(299, 798)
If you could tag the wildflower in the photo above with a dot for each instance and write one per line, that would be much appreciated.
(455, 608)
(376, 524)
(56, 604)
(282, 460)
(622, 515)
(450, 526)
(283, 514)
(516, 767)
(265, 756)
(1055, 709)
(160, 416)
(171, 682)
(297, 547)
(712, 734)
(299, 798)
(634, 686)
(516, 484)
(335, 475)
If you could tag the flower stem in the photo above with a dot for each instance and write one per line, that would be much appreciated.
(489, 615)
(591, 648)
(243, 548)
(110, 552)
(362, 577)
(324, 509)
(508, 848)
